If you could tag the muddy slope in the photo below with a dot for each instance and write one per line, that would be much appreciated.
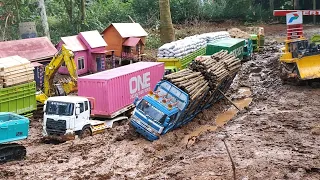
(276, 137)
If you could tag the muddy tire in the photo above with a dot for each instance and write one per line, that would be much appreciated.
(86, 132)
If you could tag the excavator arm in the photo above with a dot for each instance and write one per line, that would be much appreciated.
(63, 56)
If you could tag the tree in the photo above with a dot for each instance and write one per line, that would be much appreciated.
(271, 4)
(296, 4)
(166, 27)
(44, 19)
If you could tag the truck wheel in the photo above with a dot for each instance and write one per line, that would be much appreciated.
(86, 132)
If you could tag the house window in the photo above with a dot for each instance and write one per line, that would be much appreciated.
(127, 49)
(81, 63)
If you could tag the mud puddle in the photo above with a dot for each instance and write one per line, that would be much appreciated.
(221, 118)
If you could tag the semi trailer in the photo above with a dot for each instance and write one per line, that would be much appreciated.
(103, 98)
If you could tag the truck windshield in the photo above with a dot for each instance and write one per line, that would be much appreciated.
(59, 108)
(151, 111)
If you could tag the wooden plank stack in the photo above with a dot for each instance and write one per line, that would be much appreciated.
(205, 73)
(15, 70)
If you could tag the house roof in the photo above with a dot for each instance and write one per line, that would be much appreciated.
(74, 43)
(93, 38)
(131, 41)
(129, 29)
(33, 49)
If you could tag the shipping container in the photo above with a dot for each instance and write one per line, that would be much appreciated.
(233, 45)
(19, 99)
(112, 90)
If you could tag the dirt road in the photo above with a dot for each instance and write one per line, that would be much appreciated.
(276, 137)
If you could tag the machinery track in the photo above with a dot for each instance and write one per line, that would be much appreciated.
(289, 74)
(11, 152)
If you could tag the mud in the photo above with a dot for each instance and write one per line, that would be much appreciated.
(276, 137)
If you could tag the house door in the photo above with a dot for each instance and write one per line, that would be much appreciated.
(98, 58)
(100, 63)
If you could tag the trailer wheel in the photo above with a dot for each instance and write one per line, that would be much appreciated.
(86, 132)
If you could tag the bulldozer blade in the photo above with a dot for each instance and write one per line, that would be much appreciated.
(309, 67)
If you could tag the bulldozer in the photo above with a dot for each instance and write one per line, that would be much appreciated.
(300, 58)
(65, 86)
(300, 61)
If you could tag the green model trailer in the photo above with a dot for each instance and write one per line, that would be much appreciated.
(234, 46)
(19, 99)
(176, 64)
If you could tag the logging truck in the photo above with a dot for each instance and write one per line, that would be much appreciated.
(180, 96)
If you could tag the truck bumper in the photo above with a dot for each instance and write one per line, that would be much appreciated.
(141, 129)
(69, 135)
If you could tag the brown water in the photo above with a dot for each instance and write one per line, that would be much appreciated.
(221, 118)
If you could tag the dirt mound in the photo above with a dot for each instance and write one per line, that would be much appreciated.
(237, 33)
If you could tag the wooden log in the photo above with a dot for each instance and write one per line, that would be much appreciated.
(187, 77)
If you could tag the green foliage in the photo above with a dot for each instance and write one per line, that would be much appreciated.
(64, 16)
(153, 41)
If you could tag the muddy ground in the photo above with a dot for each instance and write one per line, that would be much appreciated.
(276, 137)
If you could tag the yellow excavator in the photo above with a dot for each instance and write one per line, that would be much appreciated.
(65, 86)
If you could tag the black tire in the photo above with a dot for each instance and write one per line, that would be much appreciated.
(86, 132)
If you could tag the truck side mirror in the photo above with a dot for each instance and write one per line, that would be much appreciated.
(135, 101)
(166, 122)
(77, 111)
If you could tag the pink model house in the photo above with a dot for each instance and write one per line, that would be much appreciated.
(89, 50)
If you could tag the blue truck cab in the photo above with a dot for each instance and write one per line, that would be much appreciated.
(157, 113)
(247, 50)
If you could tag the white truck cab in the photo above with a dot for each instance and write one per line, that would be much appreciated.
(67, 116)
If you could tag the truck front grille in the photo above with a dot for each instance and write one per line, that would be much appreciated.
(56, 127)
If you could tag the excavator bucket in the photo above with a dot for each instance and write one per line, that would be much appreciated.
(309, 67)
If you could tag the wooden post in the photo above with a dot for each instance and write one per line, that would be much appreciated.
(113, 60)
(229, 100)
(314, 8)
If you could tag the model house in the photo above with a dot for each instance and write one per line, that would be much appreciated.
(89, 50)
(126, 39)
(38, 50)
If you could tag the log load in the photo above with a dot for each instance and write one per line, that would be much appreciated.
(15, 70)
(205, 73)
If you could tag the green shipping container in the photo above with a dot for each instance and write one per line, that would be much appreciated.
(19, 99)
(233, 45)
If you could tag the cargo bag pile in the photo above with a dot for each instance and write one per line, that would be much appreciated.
(183, 47)
(15, 70)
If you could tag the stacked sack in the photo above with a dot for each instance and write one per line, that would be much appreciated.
(15, 70)
(181, 48)
(188, 45)
(214, 36)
